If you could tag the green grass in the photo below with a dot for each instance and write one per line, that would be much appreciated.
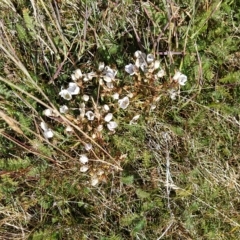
(172, 175)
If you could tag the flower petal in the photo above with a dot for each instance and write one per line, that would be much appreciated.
(139, 54)
(150, 58)
(69, 129)
(112, 125)
(173, 94)
(48, 112)
(130, 69)
(85, 97)
(84, 168)
(88, 76)
(160, 73)
(109, 74)
(63, 109)
(88, 146)
(123, 103)
(156, 64)
(83, 158)
(134, 119)
(94, 181)
(44, 126)
(115, 96)
(90, 115)
(176, 76)
(108, 117)
(73, 88)
(106, 108)
(48, 133)
(110, 85)
(101, 66)
(65, 94)
(76, 74)
(182, 79)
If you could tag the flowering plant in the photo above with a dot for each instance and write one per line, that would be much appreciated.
(97, 116)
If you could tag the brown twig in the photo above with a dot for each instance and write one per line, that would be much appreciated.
(28, 148)
(170, 53)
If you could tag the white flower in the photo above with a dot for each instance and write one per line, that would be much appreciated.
(115, 96)
(68, 129)
(139, 54)
(180, 78)
(73, 88)
(84, 168)
(123, 103)
(47, 132)
(76, 75)
(141, 63)
(108, 117)
(109, 85)
(73, 77)
(150, 58)
(140, 60)
(134, 119)
(65, 94)
(63, 109)
(85, 97)
(160, 73)
(176, 76)
(88, 76)
(153, 106)
(83, 158)
(88, 146)
(106, 108)
(48, 112)
(109, 74)
(112, 125)
(156, 64)
(130, 68)
(94, 181)
(101, 82)
(101, 66)
(173, 94)
(44, 126)
(100, 172)
(90, 115)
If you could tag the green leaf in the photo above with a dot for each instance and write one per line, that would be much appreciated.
(21, 33)
(128, 180)
(80, 204)
(128, 219)
(29, 22)
(139, 226)
(142, 194)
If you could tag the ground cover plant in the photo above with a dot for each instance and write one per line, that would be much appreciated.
(119, 119)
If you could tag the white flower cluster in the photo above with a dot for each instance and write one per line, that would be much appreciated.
(93, 117)
(147, 64)
(102, 114)
(152, 71)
